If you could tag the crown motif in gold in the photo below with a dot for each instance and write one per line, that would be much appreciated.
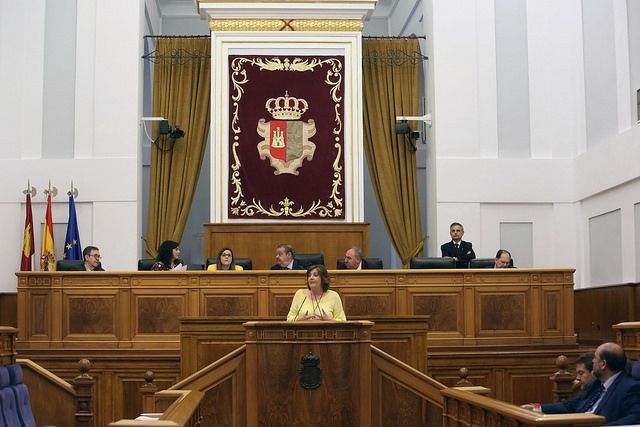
(286, 107)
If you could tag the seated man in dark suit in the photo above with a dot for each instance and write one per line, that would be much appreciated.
(91, 256)
(458, 249)
(503, 259)
(285, 259)
(613, 394)
(353, 259)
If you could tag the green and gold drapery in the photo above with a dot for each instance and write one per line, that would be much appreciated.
(181, 94)
(391, 89)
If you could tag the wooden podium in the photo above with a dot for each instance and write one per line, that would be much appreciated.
(282, 391)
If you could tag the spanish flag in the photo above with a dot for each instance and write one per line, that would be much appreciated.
(27, 241)
(48, 258)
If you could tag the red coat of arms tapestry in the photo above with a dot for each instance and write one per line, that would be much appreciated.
(286, 137)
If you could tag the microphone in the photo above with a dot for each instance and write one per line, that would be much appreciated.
(300, 308)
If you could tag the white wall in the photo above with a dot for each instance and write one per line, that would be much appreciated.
(580, 156)
(100, 153)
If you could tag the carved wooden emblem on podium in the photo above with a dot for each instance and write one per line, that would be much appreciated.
(310, 374)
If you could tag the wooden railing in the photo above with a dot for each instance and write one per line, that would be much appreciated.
(54, 401)
(462, 408)
(402, 395)
(182, 412)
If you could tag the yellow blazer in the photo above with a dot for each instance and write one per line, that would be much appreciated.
(214, 267)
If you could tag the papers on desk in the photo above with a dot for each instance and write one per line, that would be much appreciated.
(179, 267)
(149, 417)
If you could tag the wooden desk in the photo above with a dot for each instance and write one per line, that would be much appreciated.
(142, 309)
(507, 326)
(628, 336)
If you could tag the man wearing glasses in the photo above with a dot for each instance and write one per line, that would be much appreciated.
(92, 258)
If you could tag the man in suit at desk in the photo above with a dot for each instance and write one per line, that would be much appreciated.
(286, 259)
(91, 256)
(613, 394)
(353, 259)
(503, 259)
(458, 249)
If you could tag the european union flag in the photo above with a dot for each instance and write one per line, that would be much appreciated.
(72, 247)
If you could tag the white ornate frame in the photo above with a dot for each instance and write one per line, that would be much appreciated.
(289, 43)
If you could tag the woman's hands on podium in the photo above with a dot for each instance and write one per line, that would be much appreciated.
(313, 316)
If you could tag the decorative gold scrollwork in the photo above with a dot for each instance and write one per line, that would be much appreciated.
(333, 79)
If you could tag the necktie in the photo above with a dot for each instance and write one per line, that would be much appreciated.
(588, 404)
(457, 245)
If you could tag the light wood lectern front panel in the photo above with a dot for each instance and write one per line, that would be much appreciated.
(275, 395)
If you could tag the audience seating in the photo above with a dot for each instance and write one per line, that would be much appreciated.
(431, 263)
(307, 260)
(21, 395)
(8, 405)
(68, 264)
(372, 264)
(245, 263)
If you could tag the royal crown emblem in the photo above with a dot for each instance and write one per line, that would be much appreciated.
(286, 138)
(286, 107)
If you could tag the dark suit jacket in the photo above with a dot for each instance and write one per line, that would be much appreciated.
(464, 253)
(296, 266)
(81, 267)
(365, 265)
(620, 404)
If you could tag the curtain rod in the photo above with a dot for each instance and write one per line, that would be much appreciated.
(177, 37)
(207, 36)
(394, 37)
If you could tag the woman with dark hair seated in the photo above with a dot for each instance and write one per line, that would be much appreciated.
(168, 256)
(316, 302)
(225, 261)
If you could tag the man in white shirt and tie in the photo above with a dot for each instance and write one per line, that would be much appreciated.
(458, 249)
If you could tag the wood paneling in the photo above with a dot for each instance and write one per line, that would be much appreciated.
(628, 336)
(515, 375)
(606, 305)
(142, 309)
(343, 397)
(205, 340)
(118, 375)
(259, 241)
(462, 408)
(9, 309)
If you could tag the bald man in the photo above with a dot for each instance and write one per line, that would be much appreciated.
(613, 394)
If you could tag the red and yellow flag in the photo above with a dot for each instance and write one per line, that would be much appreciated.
(48, 258)
(27, 241)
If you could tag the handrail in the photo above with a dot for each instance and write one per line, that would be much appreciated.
(178, 414)
(197, 381)
(519, 414)
(412, 379)
(48, 375)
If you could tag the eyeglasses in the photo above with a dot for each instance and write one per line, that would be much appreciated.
(226, 254)
(96, 256)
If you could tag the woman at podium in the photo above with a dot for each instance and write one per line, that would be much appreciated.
(316, 302)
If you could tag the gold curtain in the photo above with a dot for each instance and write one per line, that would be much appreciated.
(181, 94)
(391, 88)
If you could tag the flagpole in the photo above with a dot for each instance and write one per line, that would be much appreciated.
(28, 242)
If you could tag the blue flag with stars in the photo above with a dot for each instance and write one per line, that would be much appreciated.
(72, 247)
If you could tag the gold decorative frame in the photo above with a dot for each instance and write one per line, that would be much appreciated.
(332, 25)
(239, 206)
